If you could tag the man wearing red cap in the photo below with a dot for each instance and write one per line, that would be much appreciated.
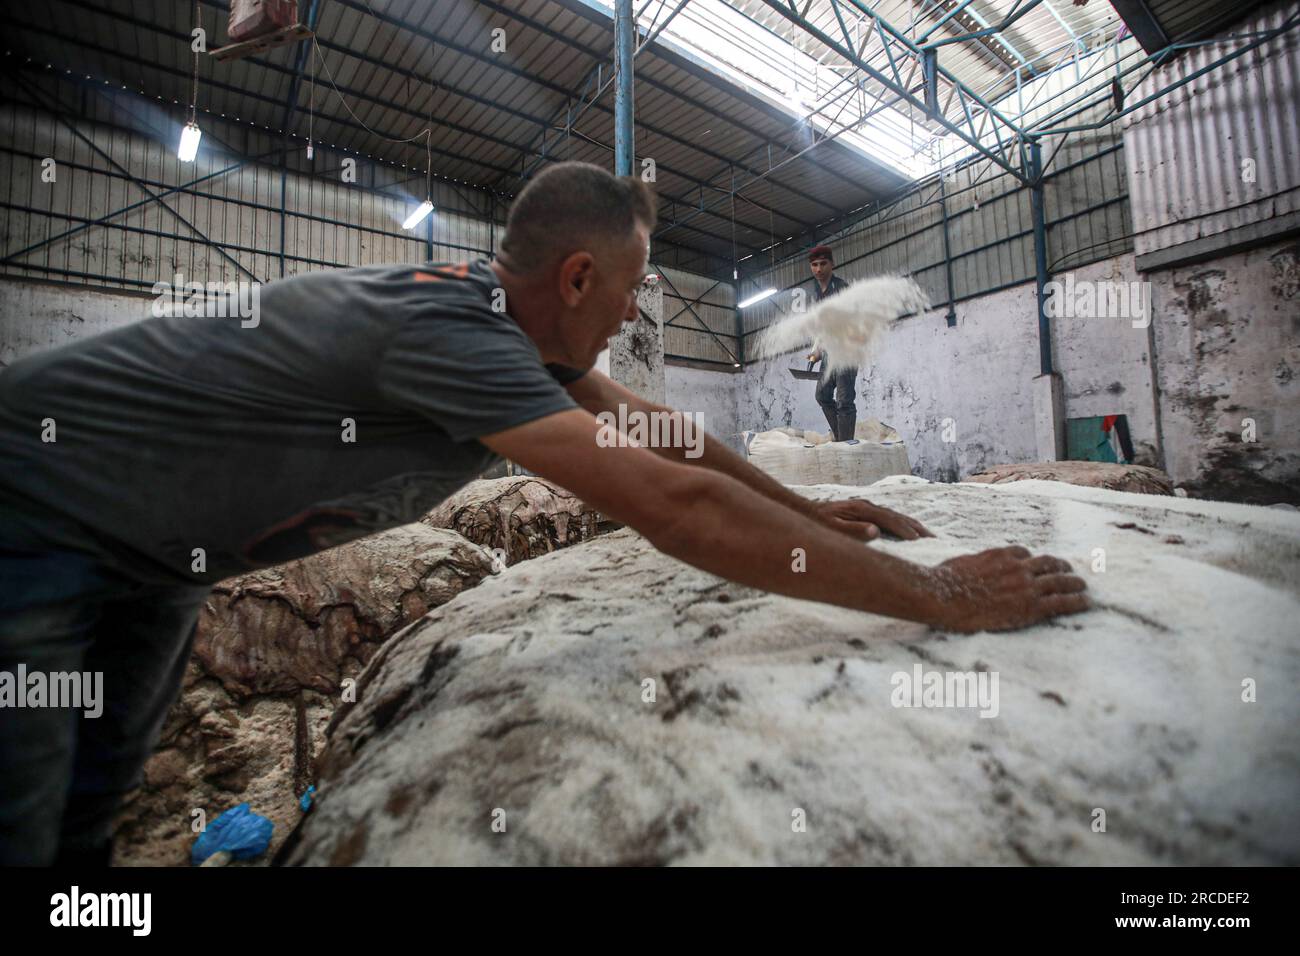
(835, 390)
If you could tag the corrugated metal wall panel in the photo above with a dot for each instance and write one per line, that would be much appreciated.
(1181, 19)
(707, 329)
(1185, 151)
(328, 223)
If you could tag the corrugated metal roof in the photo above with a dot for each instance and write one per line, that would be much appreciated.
(1049, 31)
(388, 69)
(1184, 20)
(1158, 23)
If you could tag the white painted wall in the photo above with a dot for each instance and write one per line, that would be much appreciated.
(977, 374)
(975, 377)
(771, 396)
(710, 394)
(37, 315)
(763, 396)
(1106, 363)
(1226, 333)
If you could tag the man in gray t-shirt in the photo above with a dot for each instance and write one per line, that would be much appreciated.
(354, 404)
(140, 466)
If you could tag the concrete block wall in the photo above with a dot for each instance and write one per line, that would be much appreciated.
(1228, 363)
(1226, 342)
(710, 394)
(1226, 337)
(37, 315)
(635, 357)
(961, 397)
(763, 396)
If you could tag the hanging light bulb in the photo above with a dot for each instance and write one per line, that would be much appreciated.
(426, 207)
(191, 134)
(189, 147)
(420, 214)
(311, 102)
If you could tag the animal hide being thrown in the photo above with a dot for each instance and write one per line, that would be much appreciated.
(846, 326)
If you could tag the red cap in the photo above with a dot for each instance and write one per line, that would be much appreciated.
(820, 252)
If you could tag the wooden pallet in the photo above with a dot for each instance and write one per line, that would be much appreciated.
(281, 37)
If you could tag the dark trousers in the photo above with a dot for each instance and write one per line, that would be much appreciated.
(63, 774)
(836, 394)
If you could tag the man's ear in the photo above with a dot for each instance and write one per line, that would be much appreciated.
(577, 272)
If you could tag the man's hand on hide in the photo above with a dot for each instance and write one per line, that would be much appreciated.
(863, 520)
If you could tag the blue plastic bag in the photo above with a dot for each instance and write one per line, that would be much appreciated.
(239, 831)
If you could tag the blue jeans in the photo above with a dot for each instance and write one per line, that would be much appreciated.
(63, 774)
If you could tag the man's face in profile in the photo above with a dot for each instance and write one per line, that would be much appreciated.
(822, 269)
(612, 299)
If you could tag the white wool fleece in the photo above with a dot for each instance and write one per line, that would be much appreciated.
(846, 325)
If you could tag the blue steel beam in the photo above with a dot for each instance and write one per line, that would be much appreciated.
(942, 20)
(599, 79)
(1037, 210)
(989, 30)
(624, 93)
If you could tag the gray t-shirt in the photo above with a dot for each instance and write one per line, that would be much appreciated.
(175, 434)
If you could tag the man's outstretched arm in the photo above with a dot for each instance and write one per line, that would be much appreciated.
(597, 392)
(718, 524)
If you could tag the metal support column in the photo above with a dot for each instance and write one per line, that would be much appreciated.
(1048, 386)
(947, 253)
(1035, 172)
(624, 34)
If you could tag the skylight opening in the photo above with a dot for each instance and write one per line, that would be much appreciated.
(824, 98)
(775, 70)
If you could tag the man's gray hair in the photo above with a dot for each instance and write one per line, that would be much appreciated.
(570, 207)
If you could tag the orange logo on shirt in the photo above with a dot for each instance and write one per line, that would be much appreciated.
(458, 271)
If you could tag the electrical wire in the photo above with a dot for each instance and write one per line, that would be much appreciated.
(427, 132)
(1052, 267)
(194, 89)
(311, 100)
(329, 75)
